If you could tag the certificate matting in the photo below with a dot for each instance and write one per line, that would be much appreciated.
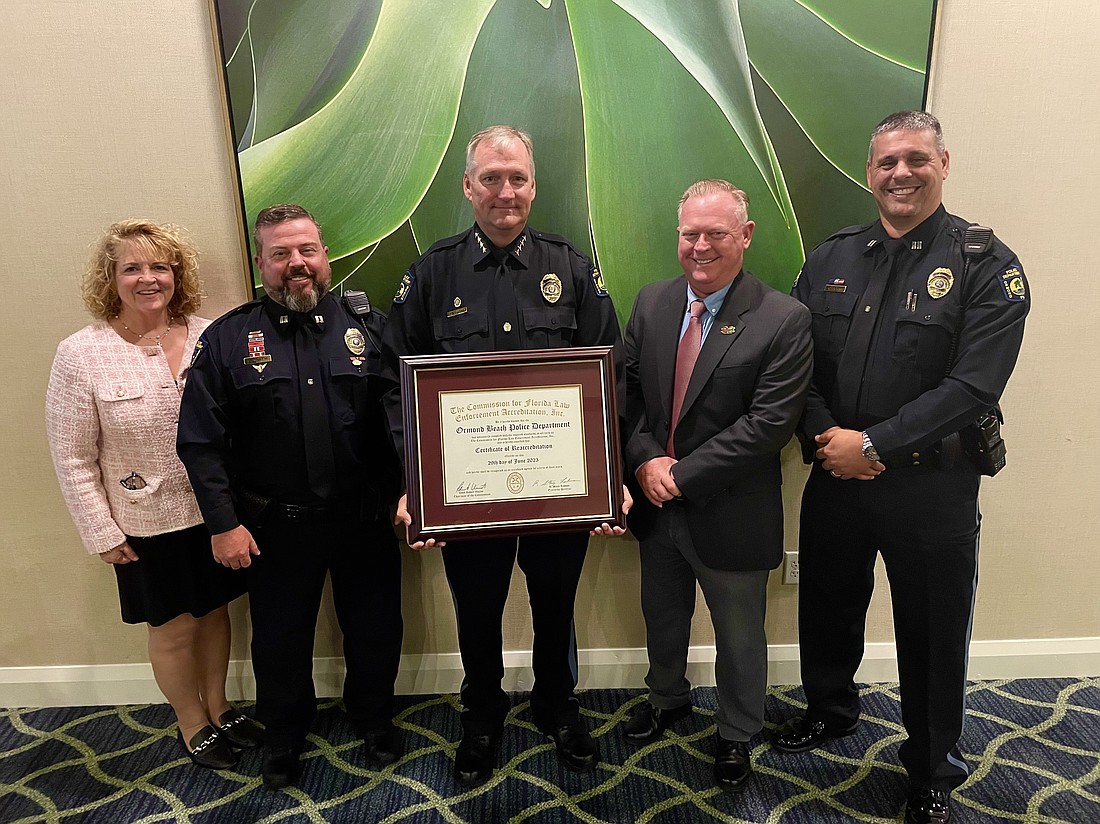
(508, 443)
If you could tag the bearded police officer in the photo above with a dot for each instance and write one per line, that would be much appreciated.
(917, 324)
(285, 442)
(501, 285)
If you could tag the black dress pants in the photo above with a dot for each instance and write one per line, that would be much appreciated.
(286, 582)
(925, 522)
(479, 573)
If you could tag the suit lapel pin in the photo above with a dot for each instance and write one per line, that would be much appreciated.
(728, 330)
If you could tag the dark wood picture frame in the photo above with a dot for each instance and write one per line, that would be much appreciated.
(425, 378)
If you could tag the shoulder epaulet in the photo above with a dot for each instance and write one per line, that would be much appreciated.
(238, 310)
(559, 240)
(447, 242)
(847, 231)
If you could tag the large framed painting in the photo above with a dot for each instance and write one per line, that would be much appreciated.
(360, 110)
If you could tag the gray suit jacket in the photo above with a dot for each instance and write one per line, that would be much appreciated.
(744, 398)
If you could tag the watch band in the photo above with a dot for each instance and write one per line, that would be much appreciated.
(869, 451)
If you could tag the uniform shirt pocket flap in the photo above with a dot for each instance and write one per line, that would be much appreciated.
(549, 317)
(251, 376)
(461, 326)
(344, 367)
(833, 303)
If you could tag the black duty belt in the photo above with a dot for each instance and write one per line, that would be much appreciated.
(257, 507)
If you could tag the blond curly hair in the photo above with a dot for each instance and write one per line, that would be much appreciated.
(166, 242)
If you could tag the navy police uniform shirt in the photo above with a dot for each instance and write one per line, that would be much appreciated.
(466, 295)
(885, 314)
(242, 422)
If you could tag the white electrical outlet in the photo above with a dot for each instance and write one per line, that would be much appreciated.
(790, 567)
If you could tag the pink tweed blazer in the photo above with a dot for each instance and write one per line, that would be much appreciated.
(111, 410)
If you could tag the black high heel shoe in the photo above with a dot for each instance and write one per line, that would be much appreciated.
(209, 749)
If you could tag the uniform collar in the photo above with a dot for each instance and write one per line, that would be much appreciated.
(288, 322)
(916, 240)
(518, 250)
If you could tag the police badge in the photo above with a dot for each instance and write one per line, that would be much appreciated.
(551, 287)
(940, 282)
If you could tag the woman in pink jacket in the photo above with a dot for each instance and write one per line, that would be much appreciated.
(111, 411)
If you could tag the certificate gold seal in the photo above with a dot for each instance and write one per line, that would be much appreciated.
(354, 340)
(940, 282)
(515, 483)
(551, 287)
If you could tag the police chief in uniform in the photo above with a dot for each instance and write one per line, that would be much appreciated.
(285, 441)
(913, 342)
(499, 286)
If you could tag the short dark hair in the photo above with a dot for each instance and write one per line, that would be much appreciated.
(908, 122)
(282, 213)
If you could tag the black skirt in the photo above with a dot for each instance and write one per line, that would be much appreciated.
(175, 574)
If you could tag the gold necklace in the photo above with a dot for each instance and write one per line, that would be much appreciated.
(155, 339)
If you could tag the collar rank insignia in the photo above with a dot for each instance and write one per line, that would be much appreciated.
(480, 242)
(520, 245)
(257, 358)
(940, 282)
(404, 287)
(916, 245)
(199, 344)
(597, 282)
(551, 287)
(728, 330)
(1012, 281)
(284, 318)
(836, 285)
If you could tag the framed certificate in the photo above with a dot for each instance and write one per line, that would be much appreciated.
(510, 443)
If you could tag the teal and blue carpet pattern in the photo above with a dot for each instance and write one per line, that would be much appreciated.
(1032, 746)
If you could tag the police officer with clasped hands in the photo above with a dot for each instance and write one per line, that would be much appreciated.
(917, 323)
(285, 442)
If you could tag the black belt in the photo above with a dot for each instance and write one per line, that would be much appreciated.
(294, 512)
(260, 508)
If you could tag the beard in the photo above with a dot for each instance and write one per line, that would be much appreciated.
(300, 301)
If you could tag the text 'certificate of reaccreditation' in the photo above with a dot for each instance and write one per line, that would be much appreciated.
(510, 444)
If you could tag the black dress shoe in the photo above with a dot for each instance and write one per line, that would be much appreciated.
(577, 750)
(382, 746)
(648, 722)
(928, 806)
(800, 734)
(209, 749)
(475, 758)
(240, 730)
(281, 767)
(732, 765)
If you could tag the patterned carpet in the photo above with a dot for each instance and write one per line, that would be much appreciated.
(1032, 746)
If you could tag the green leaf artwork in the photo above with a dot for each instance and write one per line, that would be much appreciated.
(360, 110)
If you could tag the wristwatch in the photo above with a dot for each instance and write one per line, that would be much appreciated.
(869, 451)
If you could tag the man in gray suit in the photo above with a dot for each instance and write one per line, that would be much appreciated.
(717, 369)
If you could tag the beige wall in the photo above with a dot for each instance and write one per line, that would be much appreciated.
(113, 109)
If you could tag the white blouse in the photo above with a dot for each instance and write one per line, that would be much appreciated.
(111, 415)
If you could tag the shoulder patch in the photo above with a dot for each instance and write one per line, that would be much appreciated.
(199, 344)
(404, 287)
(1014, 284)
(598, 284)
